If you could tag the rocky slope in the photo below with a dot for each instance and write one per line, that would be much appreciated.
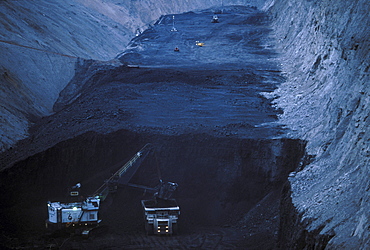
(40, 42)
(325, 49)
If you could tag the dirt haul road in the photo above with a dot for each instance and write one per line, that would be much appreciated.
(213, 89)
(205, 96)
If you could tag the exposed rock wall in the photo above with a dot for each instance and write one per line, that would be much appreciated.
(325, 49)
(40, 42)
(137, 14)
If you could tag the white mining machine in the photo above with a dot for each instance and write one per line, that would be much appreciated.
(161, 212)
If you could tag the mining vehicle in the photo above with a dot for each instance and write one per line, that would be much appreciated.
(215, 19)
(199, 44)
(162, 212)
(75, 213)
(82, 214)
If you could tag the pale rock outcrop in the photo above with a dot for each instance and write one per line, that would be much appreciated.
(325, 58)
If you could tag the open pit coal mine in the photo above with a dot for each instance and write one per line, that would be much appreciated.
(196, 87)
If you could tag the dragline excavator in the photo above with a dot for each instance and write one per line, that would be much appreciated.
(160, 213)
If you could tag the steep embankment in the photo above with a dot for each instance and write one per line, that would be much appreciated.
(325, 48)
(40, 44)
(41, 41)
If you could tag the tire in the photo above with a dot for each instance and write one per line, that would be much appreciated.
(175, 229)
(149, 229)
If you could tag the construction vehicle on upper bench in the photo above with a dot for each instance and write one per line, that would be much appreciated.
(200, 44)
(82, 214)
(215, 19)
